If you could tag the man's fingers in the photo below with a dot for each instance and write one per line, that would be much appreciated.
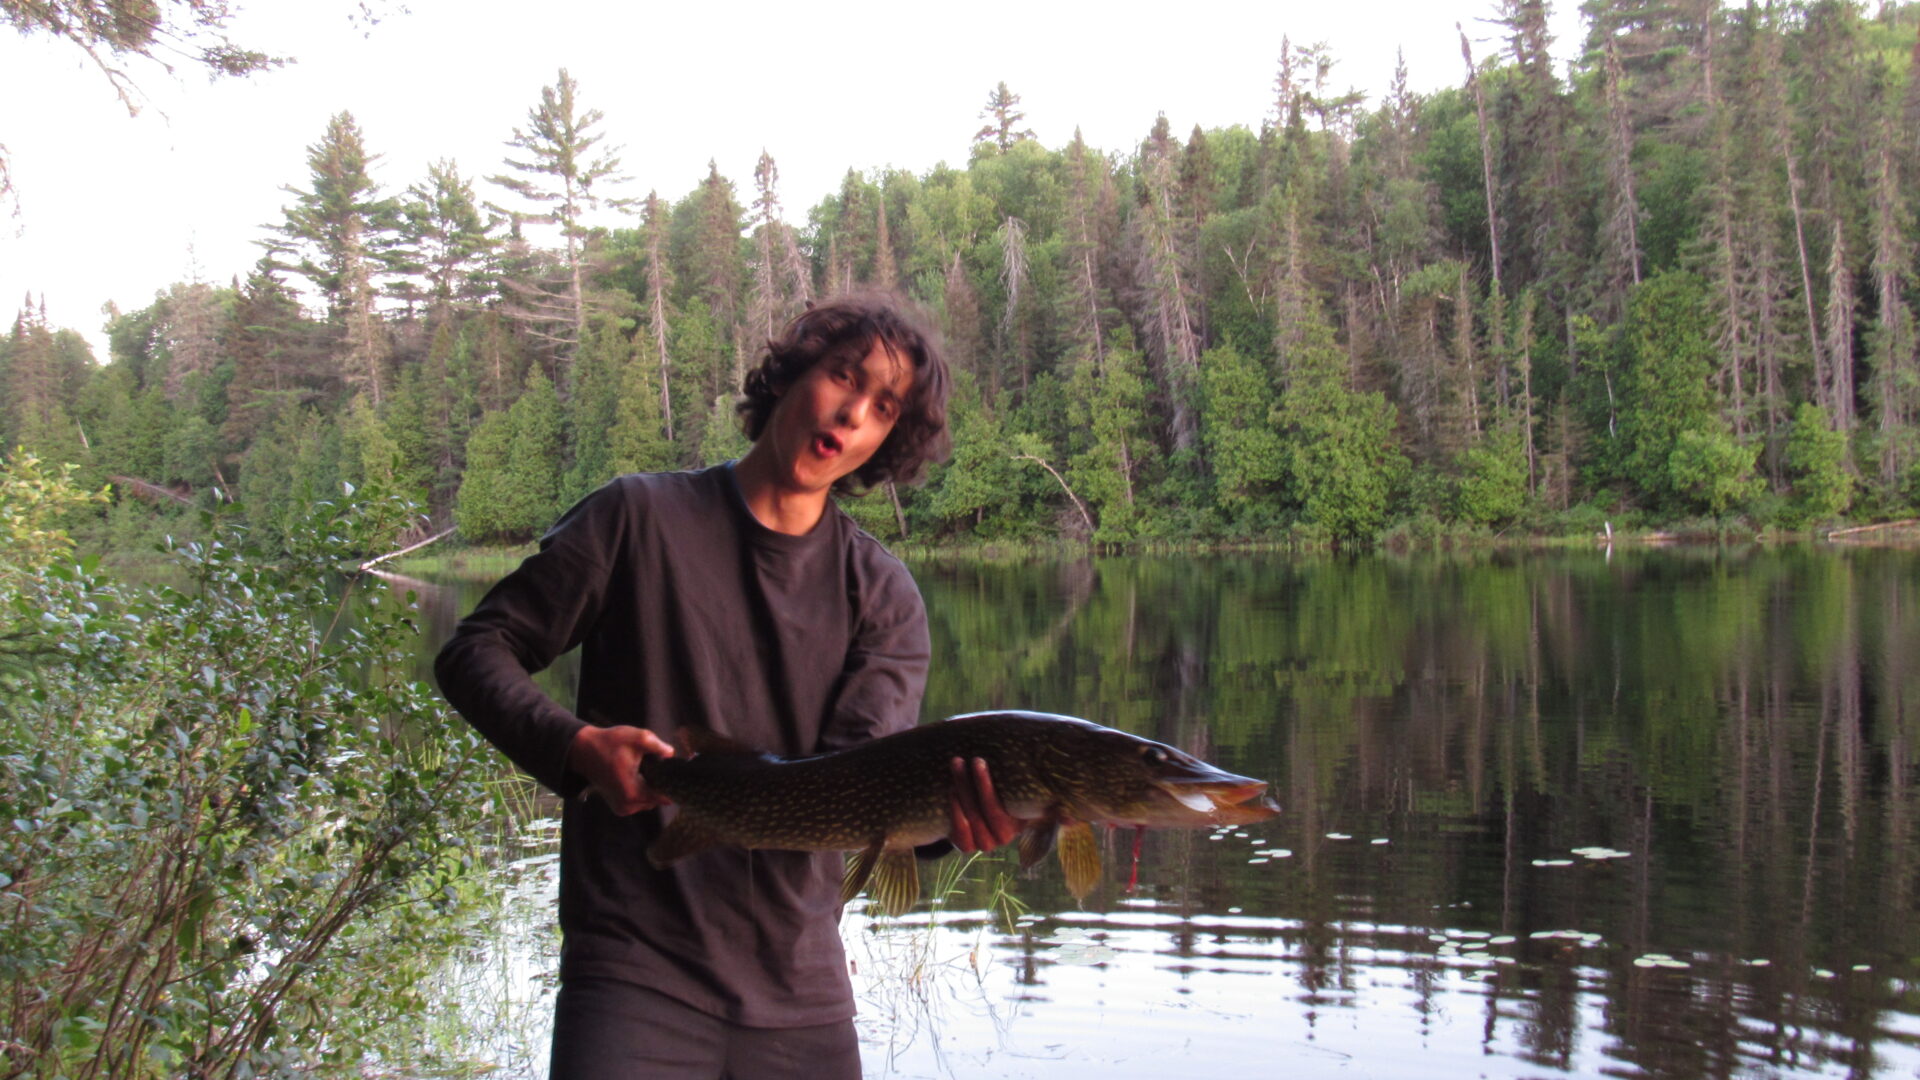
(609, 759)
(1001, 827)
(652, 744)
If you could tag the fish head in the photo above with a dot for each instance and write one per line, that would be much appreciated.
(1122, 779)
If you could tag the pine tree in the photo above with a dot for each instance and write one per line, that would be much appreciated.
(449, 246)
(1004, 118)
(560, 170)
(342, 234)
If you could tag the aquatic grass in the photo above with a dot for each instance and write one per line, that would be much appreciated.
(470, 562)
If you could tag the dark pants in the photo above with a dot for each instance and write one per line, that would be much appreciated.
(605, 1029)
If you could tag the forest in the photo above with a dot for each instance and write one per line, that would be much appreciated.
(1671, 285)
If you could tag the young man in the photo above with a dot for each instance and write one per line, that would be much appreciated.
(739, 598)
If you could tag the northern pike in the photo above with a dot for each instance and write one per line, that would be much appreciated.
(1057, 774)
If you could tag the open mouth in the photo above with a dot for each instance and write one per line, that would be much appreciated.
(1207, 798)
(825, 445)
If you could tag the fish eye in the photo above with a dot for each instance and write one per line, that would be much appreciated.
(1155, 754)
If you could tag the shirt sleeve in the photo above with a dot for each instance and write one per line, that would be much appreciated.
(885, 673)
(542, 609)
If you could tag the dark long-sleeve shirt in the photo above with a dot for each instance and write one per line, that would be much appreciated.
(689, 611)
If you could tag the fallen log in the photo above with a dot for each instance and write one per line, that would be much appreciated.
(150, 491)
(1857, 529)
(371, 563)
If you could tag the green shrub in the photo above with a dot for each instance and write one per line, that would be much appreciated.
(235, 828)
(1817, 466)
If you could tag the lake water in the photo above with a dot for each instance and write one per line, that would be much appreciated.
(1653, 813)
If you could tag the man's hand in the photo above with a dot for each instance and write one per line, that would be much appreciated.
(979, 822)
(609, 759)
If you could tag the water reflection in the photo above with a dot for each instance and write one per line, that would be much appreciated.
(1151, 993)
(1555, 813)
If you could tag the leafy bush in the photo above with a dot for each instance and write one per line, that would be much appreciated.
(232, 828)
(1493, 480)
(1817, 465)
(1712, 470)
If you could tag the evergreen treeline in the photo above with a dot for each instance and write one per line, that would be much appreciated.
(1677, 284)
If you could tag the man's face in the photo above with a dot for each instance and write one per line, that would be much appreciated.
(835, 417)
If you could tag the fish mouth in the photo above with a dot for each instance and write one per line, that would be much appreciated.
(1207, 796)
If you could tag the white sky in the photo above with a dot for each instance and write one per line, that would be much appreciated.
(115, 208)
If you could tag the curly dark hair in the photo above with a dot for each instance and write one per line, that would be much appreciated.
(842, 331)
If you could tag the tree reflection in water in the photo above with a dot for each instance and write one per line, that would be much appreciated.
(1651, 815)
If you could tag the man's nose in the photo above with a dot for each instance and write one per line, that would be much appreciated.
(854, 409)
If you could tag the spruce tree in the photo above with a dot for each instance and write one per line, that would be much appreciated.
(590, 415)
(532, 489)
(637, 442)
(482, 508)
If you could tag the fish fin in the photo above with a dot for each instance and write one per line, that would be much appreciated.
(1080, 858)
(685, 835)
(702, 740)
(1035, 842)
(896, 882)
(859, 869)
